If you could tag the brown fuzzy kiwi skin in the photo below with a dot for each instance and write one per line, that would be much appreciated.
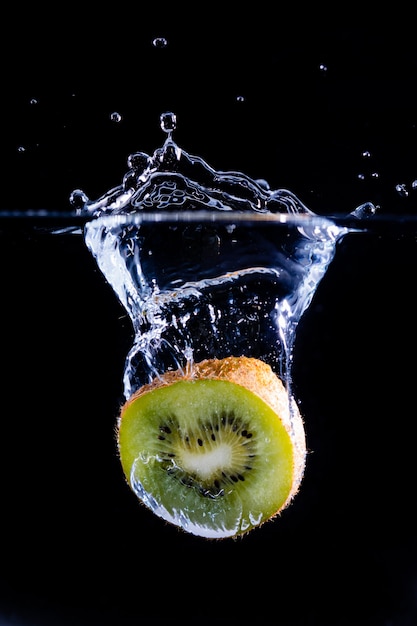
(259, 378)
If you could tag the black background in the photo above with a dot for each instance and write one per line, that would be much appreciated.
(298, 98)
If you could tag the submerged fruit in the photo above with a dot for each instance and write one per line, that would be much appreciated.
(216, 451)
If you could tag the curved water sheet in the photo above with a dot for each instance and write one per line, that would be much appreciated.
(208, 265)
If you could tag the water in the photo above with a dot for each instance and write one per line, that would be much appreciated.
(305, 121)
(206, 263)
(199, 289)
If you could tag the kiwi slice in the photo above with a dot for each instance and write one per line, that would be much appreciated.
(217, 450)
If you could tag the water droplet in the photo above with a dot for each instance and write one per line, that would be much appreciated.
(414, 184)
(263, 183)
(401, 188)
(21, 149)
(115, 117)
(366, 154)
(78, 199)
(240, 99)
(160, 42)
(323, 68)
(33, 101)
(138, 161)
(365, 210)
(168, 122)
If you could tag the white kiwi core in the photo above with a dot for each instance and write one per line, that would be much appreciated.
(208, 463)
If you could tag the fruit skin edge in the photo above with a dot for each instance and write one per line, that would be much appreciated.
(256, 376)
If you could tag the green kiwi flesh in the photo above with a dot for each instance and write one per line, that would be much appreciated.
(208, 455)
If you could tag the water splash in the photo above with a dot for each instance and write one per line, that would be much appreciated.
(206, 261)
(208, 264)
(173, 180)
